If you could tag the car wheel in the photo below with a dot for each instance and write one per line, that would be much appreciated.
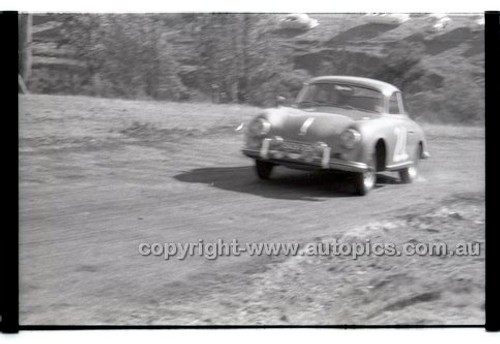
(365, 181)
(263, 169)
(410, 174)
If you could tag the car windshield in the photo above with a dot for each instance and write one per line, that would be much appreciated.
(340, 95)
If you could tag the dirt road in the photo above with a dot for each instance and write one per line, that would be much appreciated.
(98, 177)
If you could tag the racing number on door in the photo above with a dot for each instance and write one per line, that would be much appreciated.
(400, 148)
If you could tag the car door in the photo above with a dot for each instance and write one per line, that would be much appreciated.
(404, 135)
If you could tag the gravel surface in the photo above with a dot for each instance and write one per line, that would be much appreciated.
(98, 177)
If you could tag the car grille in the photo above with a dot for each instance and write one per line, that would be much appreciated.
(297, 147)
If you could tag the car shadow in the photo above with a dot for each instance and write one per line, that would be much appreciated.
(283, 184)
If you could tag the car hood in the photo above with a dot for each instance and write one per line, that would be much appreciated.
(314, 124)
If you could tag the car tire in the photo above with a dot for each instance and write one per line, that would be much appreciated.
(263, 169)
(365, 181)
(410, 174)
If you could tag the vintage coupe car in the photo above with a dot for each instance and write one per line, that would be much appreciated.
(343, 123)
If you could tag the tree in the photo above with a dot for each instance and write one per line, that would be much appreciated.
(124, 55)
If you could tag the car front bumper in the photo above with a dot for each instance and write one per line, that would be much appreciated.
(300, 162)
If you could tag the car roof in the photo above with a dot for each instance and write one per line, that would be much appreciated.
(381, 86)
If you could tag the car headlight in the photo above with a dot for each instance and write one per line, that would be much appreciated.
(350, 138)
(259, 127)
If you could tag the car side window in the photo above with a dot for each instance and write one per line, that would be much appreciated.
(394, 102)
